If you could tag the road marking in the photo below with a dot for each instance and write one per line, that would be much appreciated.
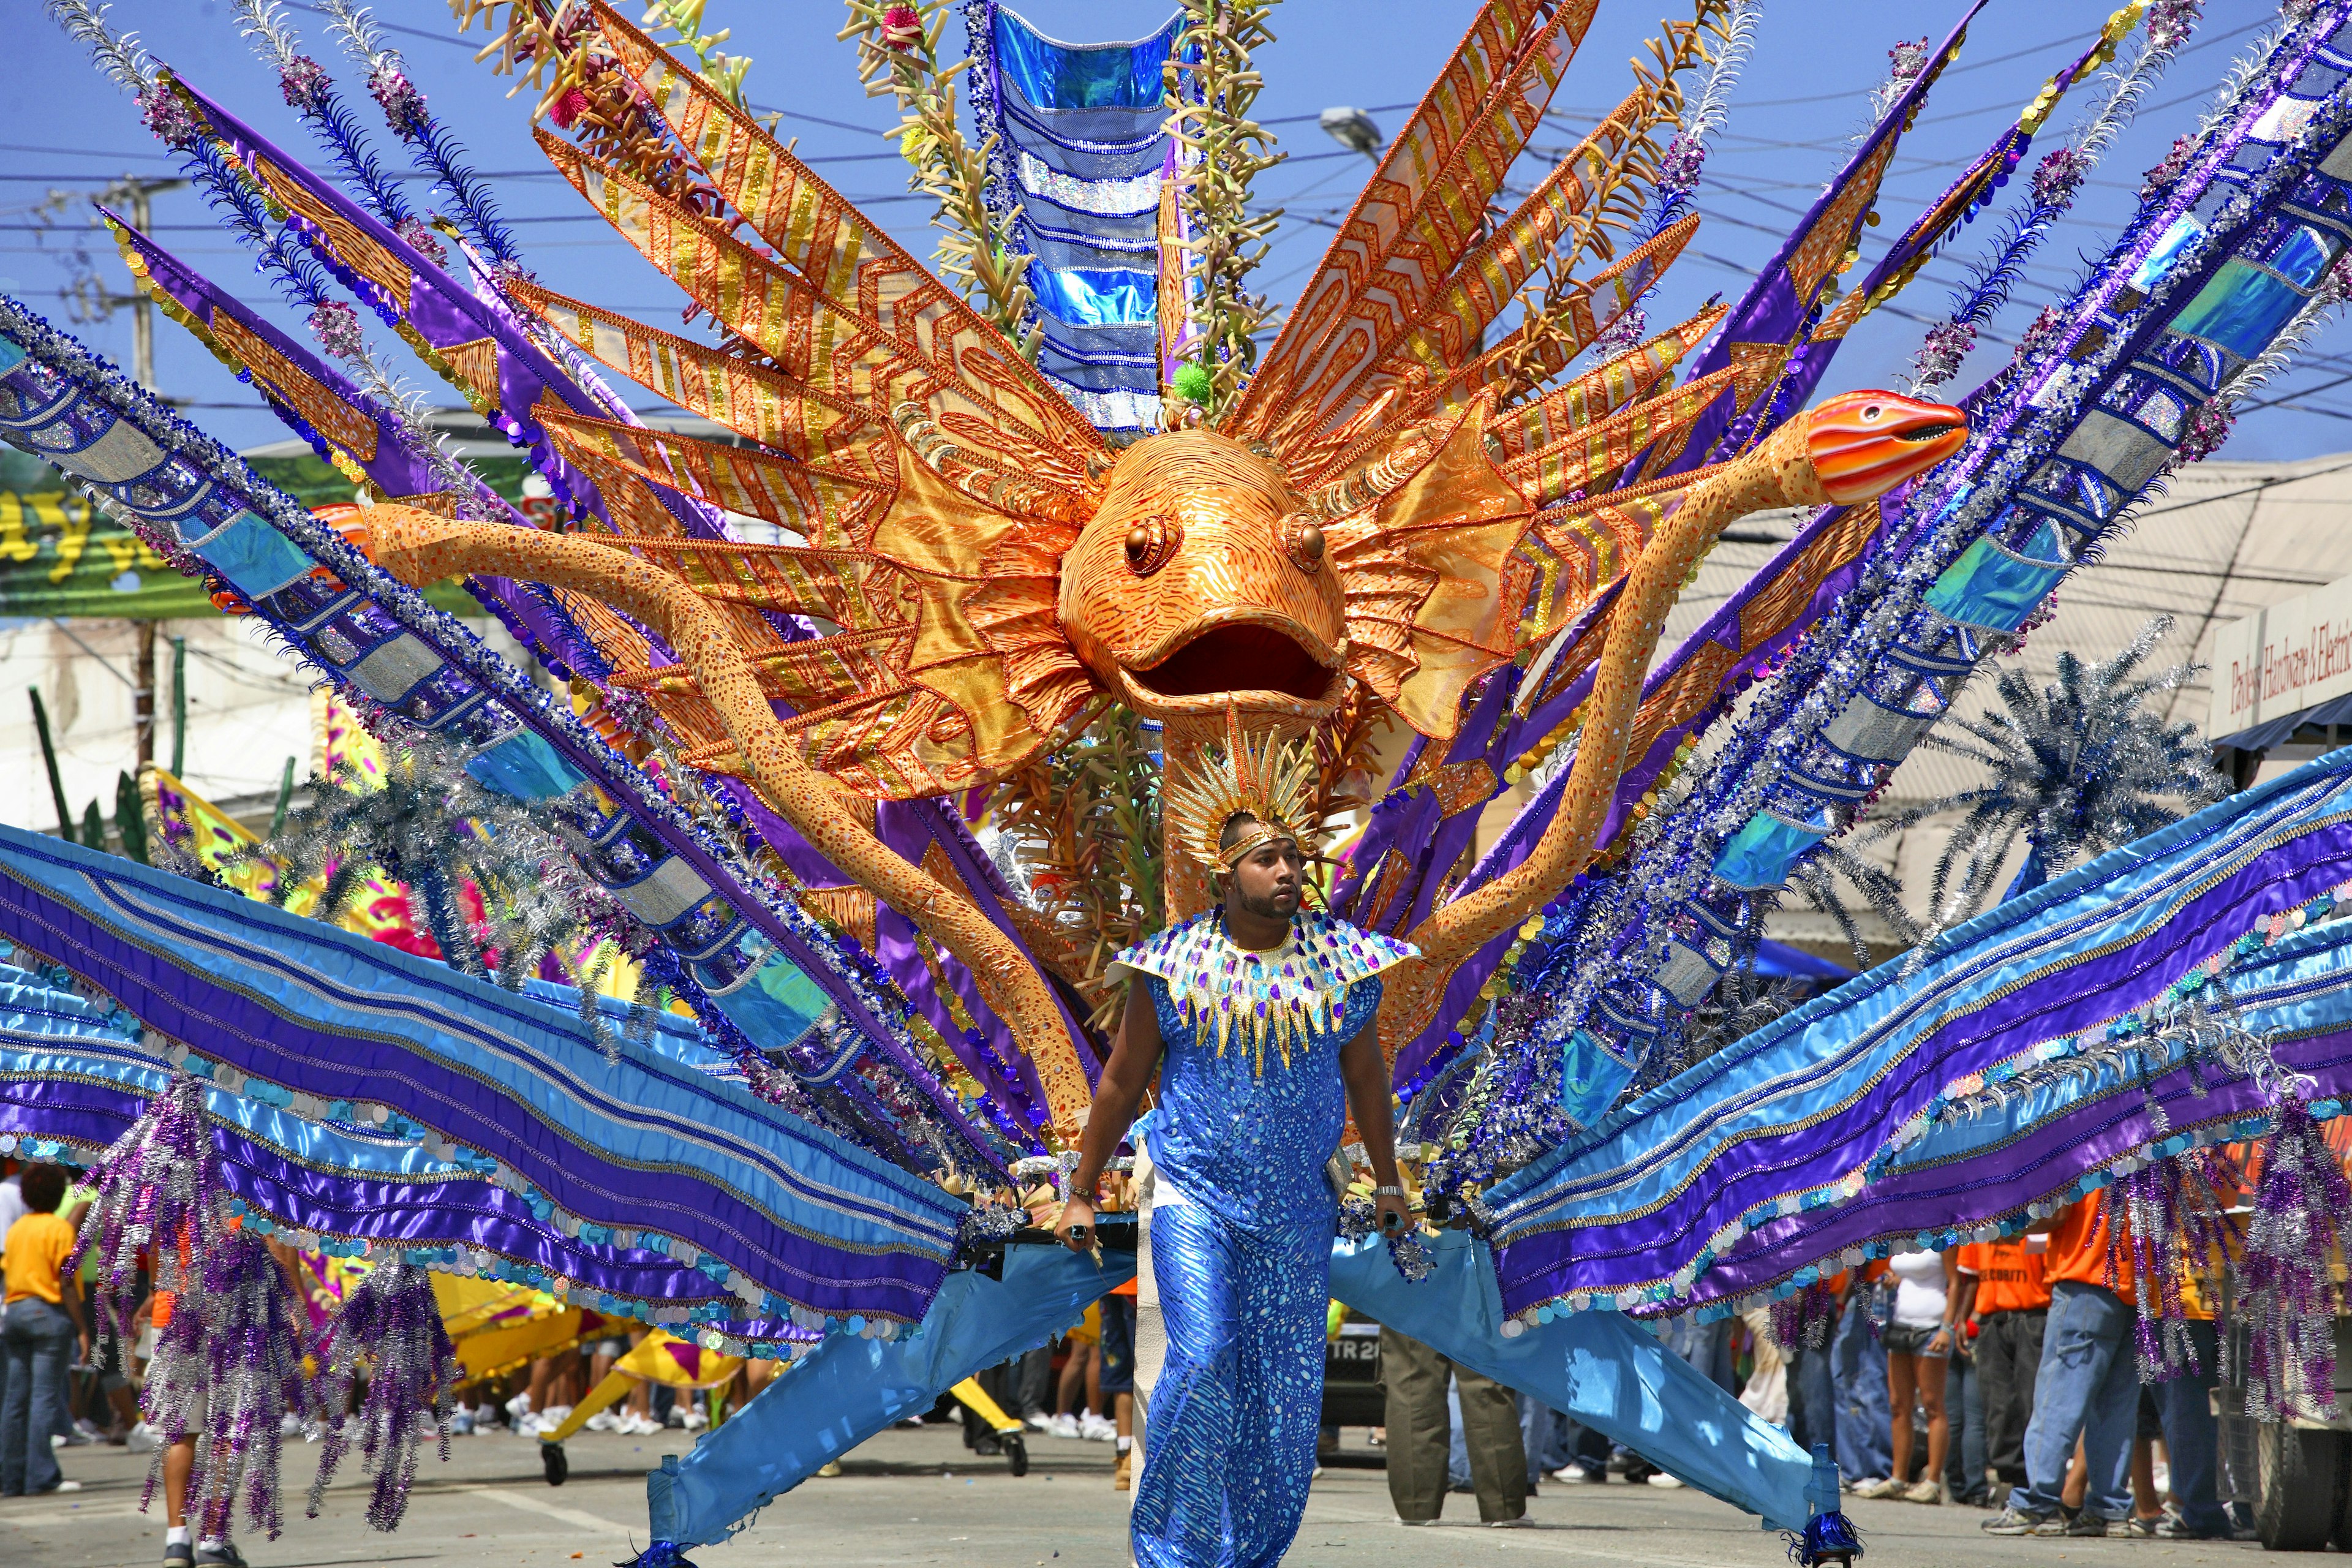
(29, 1518)
(1525, 1541)
(584, 1519)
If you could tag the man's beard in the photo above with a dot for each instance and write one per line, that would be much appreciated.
(1269, 908)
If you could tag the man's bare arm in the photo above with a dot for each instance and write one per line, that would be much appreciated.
(1134, 1061)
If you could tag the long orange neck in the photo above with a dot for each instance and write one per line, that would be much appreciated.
(1778, 473)
(420, 548)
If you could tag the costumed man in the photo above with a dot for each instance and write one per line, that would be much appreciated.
(1258, 1021)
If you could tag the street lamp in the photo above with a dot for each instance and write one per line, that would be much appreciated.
(1353, 129)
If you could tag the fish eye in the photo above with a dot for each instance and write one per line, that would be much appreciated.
(1150, 543)
(1872, 412)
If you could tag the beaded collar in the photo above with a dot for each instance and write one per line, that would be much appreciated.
(1289, 994)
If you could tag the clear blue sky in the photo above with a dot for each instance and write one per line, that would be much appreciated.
(1802, 97)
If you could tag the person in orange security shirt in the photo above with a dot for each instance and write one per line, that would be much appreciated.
(2087, 1384)
(2004, 1302)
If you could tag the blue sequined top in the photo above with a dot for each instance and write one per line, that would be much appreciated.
(1245, 1137)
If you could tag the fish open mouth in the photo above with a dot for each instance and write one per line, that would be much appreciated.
(1237, 655)
(1931, 432)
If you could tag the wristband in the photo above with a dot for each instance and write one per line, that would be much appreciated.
(1388, 1192)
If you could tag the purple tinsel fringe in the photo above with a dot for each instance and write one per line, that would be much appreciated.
(392, 1323)
(159, 1180)
(2292, 1297)
(1803, 1321)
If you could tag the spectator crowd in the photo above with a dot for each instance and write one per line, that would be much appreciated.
(2000, 1374)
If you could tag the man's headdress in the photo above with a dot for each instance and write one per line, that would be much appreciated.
(1271, 780)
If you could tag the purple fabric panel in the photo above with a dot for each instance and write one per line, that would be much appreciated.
(456, 1212)
(181, 1000)
(442, 311)
(393, 467)
(1817, 1149)
(1772, 312)
(949, 831)
(903, 829)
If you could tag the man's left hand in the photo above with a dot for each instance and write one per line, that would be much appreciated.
(1396, 1218)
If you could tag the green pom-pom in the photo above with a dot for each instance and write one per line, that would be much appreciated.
(1193, 383)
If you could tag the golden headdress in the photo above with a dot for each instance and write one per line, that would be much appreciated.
(1271, 779)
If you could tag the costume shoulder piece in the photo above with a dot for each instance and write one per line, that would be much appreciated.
(1290, 994)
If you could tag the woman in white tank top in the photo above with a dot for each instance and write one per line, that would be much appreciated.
(1918, 1340)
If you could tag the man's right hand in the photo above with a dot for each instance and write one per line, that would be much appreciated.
(1077, 1225)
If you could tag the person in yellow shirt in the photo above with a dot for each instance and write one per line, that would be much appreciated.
(40, 1319)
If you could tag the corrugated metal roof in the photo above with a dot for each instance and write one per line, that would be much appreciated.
(2225, 540)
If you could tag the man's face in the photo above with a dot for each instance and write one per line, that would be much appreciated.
(1265, 881)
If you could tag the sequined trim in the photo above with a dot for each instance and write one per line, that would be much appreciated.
(1107, 198)
(1288, 995)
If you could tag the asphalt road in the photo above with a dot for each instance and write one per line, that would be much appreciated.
(912, 1498)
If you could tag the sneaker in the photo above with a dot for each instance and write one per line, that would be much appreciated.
(143, 1439)
(829, 1470)
(220, 1555)
(1521, 1522)
(603, 1421)
(461, 1423)
(1576, 1476)
(2082, 1526)
(1095, 1429)
(519, 1406)
(554, 1415)
(1925, 1492)
(1665, 1482)
(87, 1428)
(634, 1425)
(1063, 1426)
(532, 1425)
(59, 1486)
(2172, 1527)
(2012, 1521)
(694, 1421)
(486, 1414)
(179, 1554)
(1884, 1486)
(1038, 1421)
(2138, 1527)
(675, 1419)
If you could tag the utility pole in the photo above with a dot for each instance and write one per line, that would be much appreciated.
(134, 194)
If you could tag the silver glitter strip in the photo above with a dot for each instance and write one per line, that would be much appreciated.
(1110, 198)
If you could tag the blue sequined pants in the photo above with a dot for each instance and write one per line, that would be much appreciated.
(1229, 1444)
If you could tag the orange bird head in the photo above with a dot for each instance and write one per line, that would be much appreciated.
(1864, 444)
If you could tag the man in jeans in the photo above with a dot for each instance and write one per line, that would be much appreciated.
(2005, 1301)
(40, 1320)
(1863, 1422)
(2192, 1437)
(2087, 1386)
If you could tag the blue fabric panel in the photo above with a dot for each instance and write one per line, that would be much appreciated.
(1598, 1368)
(11, 356)
(1991, 587)
(1591, 1077)
(525, 766)
(775, 1006)
(1813, 1096)
(256, 558)
(1095, 299)
(637, 1138)
(2241, 310)
(1760, 854)
(848, 1389)
(1082, 76)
